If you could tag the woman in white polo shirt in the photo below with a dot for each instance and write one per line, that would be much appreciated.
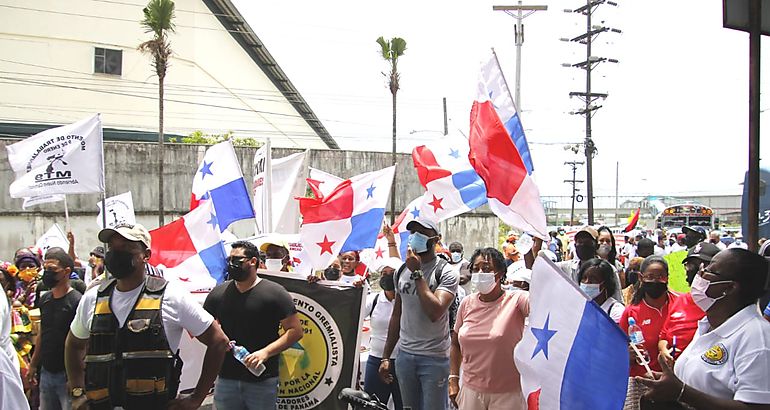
(726, 365)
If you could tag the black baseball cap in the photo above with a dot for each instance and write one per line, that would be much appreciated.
(704, 251)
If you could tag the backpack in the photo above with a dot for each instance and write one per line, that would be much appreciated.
(454, 306)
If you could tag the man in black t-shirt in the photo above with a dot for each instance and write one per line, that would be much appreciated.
(250, 310)
(57, 309)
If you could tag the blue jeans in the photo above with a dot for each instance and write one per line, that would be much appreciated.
(423, 381)
(374, 385)
(53, 391)
(235, 394)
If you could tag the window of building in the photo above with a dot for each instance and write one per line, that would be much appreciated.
(107, 61)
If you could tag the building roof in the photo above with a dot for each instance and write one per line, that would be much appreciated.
(237, 26)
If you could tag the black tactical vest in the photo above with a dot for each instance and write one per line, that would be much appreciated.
(131, 366)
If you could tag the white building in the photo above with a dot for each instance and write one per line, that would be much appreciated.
(63, 60)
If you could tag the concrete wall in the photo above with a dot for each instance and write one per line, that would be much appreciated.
(133, 167)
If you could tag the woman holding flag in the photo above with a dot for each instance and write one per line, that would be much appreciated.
(489, 324)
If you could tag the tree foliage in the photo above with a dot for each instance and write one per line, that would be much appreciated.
(391, 50)
(199, 137)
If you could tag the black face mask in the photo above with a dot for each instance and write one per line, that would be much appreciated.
(691, 240)
(119, 263)
(49, 279)
(585, 252)
(236, 272)
(691, 272)
(331, 273)
(386, 283)
(654, 289)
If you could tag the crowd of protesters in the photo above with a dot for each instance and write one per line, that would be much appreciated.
(443, 327)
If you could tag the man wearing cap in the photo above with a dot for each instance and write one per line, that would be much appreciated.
(425, 289)
(679, 244)
(276, 256)
(95, 263)
(693, 235)
(586, 244)
(681, 323)
(127, 330)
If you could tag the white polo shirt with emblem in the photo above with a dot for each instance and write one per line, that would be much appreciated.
(731, 361)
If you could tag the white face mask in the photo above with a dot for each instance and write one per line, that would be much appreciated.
(484, 282)
(591, 289)
(274, 264)
(698, 291)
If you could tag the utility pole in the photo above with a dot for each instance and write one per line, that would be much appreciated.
(519, 12)
(446, 122)
(588, 97)
(574, 181)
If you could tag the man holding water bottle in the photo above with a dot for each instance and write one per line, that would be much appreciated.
(250, 311)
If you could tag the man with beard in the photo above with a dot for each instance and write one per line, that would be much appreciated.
(683, 314)
(250, 310)
(123, 345)
(586, 245)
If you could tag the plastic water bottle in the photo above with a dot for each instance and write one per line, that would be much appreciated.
(635, 332)
(240, 353)
(637, 338)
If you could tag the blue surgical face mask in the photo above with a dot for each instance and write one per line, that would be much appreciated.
(418, 242)
(457, 257)
(591, 289)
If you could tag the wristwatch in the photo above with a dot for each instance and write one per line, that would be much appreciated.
(416, 275)
(77, 392)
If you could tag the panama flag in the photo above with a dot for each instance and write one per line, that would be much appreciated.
(492, 77)
(572, 355)
(190, 249)
(513, 195)
(348, 219)
(452, 186)
(323, 181)
(380, 251)
(219, 178)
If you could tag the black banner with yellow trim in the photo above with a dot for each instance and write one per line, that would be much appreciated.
(322, 363)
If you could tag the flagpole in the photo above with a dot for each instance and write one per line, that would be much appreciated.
(269, 187)
(66, 214)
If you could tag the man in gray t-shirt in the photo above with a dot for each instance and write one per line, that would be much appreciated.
(420, 320)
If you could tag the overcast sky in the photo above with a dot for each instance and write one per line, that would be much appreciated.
(676, 118)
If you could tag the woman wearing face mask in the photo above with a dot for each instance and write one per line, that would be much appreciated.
(489, 325)
(379, 307)
(595, 278)
(725, 366)
(632, 279)
(649, 308)
(609, 252)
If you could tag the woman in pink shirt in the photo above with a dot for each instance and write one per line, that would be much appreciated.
(489, 324)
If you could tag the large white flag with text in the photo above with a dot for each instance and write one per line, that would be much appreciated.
(62, 160)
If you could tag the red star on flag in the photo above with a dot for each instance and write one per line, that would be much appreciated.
(436, 204)
(379, 252)
(326, 245)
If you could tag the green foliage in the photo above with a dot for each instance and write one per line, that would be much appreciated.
(158, 17)
(502, 232)
(390, 51)
(198, 137)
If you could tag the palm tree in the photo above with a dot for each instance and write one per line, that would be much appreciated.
(391, 50)
(159, 20)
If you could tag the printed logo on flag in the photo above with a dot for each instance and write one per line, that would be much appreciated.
(310, 369)
(57, 171)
